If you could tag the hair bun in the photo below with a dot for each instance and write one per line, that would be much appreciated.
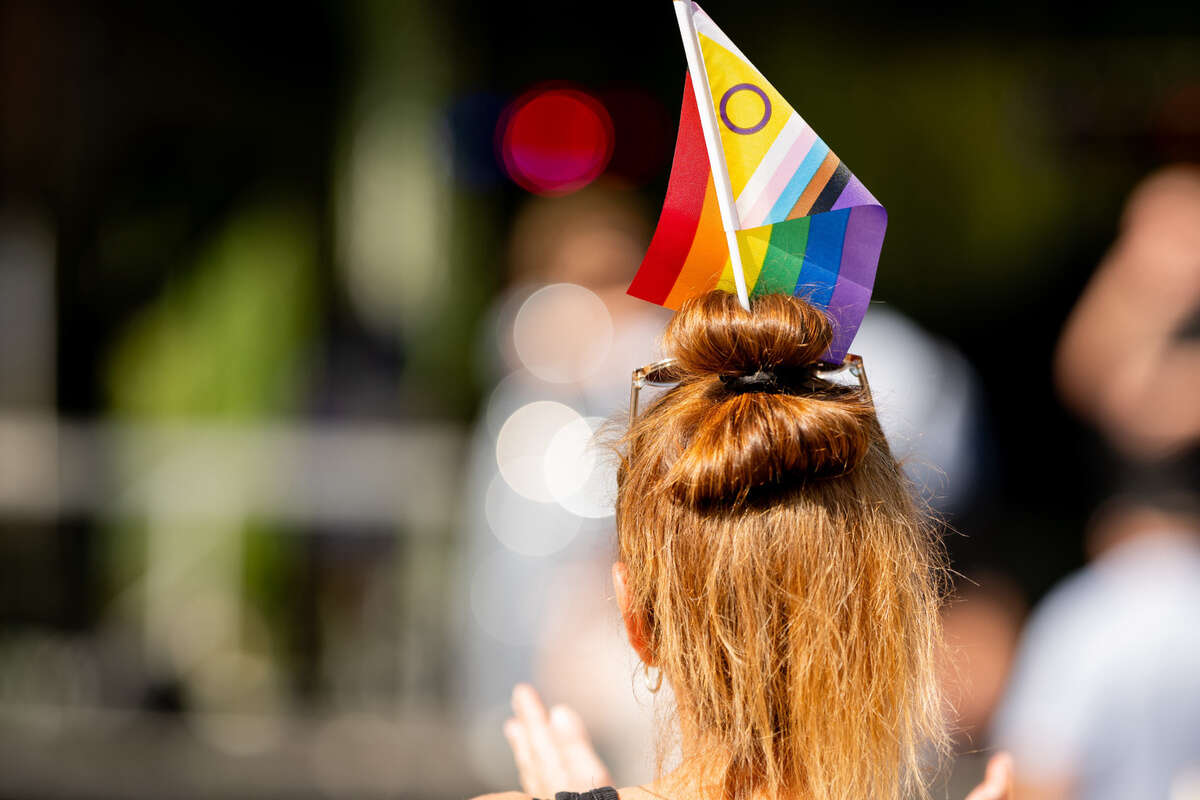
(712, 333)
(736, 437)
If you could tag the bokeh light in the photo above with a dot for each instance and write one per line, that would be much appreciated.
(514, 391)
(580, 478)
(555, 140)
(522, 444)
(562, 333)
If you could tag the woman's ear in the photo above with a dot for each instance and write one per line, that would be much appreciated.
(635, 623)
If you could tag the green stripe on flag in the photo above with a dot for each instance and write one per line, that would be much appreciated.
(785, 257)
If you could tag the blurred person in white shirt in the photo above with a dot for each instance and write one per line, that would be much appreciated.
(1105, 698)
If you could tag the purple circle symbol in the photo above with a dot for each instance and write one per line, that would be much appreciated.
(725, 103)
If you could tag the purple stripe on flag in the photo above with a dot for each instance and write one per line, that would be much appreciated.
(855, 194)
(860, 259)
(864, 240)
(846, 309)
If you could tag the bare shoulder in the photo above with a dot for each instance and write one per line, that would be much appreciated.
(638, 793)
(631, 793)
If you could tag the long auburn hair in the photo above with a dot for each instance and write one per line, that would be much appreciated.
(787, 579)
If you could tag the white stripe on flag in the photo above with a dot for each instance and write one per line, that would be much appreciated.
(770, 165)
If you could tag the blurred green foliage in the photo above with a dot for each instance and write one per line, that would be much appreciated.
(226, 339)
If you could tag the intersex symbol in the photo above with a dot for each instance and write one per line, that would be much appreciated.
(725, 103)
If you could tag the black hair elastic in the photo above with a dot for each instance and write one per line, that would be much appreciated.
(603, 793)
(757, 380)
(780, 379)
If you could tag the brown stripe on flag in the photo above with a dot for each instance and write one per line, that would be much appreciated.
(815, 186)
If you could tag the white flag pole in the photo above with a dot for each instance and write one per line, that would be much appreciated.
(712, 139)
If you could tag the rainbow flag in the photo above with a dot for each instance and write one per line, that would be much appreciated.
(807, 226)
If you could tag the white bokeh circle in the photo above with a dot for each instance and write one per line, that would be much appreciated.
(578, 475)
(562, 333)
(523, 442)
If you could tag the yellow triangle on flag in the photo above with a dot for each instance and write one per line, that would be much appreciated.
(750, 112)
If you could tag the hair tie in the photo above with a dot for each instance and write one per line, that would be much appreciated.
(756, 379)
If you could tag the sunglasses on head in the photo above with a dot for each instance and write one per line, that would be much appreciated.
(665, 373)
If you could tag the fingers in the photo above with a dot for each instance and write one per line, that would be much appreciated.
(997, 781)
(543, 756)
(532, 714)
(514, 732)
(1000, 773)
(579, 758)
(552, 751)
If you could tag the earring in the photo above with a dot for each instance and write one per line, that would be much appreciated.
(656, 684)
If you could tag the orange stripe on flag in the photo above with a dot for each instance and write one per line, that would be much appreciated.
(815, 187)
(707, 255)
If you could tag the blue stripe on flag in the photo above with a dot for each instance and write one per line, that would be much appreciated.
(798, 183)
(823, 257)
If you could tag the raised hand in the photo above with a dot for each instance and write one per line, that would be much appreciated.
(997, 781)
(553, 751)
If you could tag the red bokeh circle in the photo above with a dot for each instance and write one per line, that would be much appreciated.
(555, 140)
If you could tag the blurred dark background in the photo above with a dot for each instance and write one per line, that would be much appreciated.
(249, 257)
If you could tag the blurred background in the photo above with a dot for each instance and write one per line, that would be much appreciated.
(309, 313)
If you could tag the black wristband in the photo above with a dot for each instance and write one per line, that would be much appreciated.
(602, 793)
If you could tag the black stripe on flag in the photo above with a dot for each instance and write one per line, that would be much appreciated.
(832, 191)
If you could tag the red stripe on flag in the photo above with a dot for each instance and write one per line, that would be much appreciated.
(708, 256)
(682, 207)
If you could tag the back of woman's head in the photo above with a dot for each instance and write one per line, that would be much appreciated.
(787, 581)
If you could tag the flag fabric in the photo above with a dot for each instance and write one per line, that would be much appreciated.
(807, 226)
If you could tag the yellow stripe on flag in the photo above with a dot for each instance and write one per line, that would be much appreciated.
(752, 245)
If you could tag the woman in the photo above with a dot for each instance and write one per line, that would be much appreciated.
(775, 570)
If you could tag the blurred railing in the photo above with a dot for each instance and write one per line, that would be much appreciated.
(293, 472)
(192, 487)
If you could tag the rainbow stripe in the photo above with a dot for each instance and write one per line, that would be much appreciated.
(807, 226)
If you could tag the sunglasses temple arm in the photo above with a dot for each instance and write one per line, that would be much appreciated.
(856, 365)
(634, 386)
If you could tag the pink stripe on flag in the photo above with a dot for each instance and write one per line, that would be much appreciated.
(779, 181)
